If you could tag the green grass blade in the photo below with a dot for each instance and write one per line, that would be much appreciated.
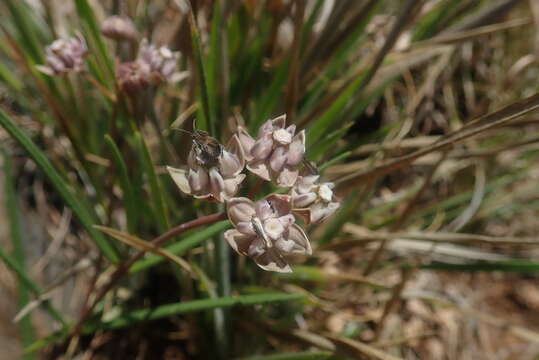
(125, 183)
(25, 25)
(307, 355)
(7, 77)
(27, 333)
(208, 119)
(192, 306)
(156, 190)
(182, 246)
(82, 213)
(95, 40)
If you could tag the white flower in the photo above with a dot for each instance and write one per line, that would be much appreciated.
(266, 231)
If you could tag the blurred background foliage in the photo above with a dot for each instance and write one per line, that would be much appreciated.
(421, 111)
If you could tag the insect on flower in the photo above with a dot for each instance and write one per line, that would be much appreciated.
(213, 171)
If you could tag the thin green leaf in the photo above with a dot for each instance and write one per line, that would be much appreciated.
(82, 213)
(125, 183)
(156, 190)
(192, 306)
(182, 246)
(521, 266)
(27, 333)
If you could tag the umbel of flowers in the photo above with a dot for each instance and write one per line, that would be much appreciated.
(266, 230)
(152, 66)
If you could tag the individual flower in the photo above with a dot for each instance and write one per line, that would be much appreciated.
(64, 55)
(276, 152)
(162, 61)
(119, 28)
(312, 200)
(212, 173)
(265, 231)
(133, 77)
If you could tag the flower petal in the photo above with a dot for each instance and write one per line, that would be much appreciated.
(301, 242)
(272, 260)
(282, 136)
(273, 228)
(240, 209)
(234, 149)
(246, 142)
(217, 183)
(232, 185)
(296, 149)
(278, 159)
(246, 227)
(180, 178)
(238, 241)
(320, 211)
(262, 148)
(279, 122)
(280, 203)
(198, 180)
(287, 177)
(303, 200)
(263, 209)
(260, 169)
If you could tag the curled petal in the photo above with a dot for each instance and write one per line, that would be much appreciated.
(232, 185)
(287, 177)
(278, 159)
(230, 164)
(260, 169)
(303, 200)
(180, 178)
(296, 149)
(280, 204)
(291, 129)
(240, 210)
(235, 148)
(279, 122)
(262, 148)
(301, 242)
(246, 142)
(238, 241)
(272, 260)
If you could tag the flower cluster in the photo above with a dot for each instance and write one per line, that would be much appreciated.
(265, 230)
(64, 55)
(152, 66)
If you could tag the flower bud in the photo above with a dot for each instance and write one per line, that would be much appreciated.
(119, 28)
(161, 61)
(133, 77)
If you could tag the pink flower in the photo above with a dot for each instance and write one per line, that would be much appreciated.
(119, 28)
(64, 55)
(161, 61)
(212, 173)
(133, 77)
(276, 152)
(312, 200)
(266, 231)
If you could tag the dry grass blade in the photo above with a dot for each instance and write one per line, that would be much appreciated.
(360, 349)
(489, 121)
(362, 235)
(144, 245)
